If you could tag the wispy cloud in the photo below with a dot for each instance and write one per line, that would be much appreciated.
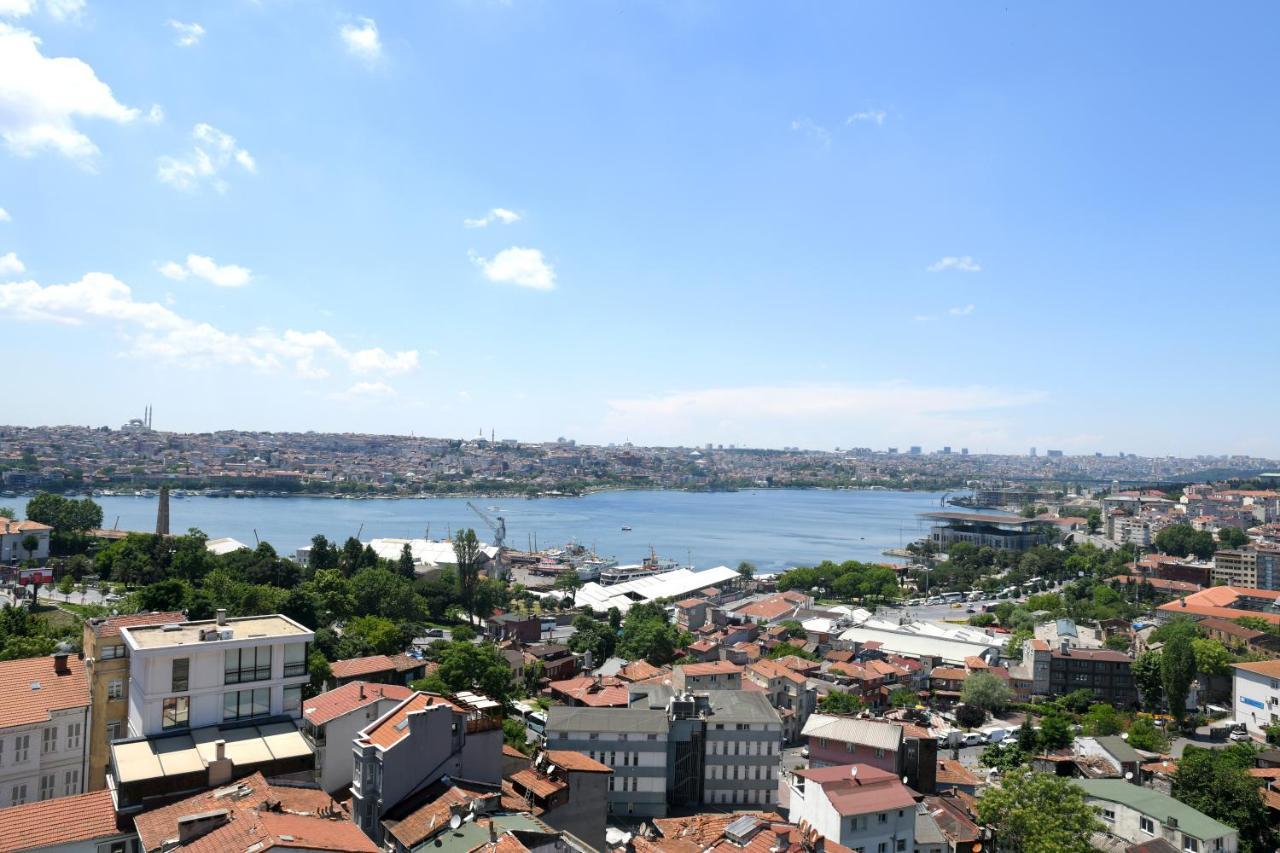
(962, 263)
(497, 214)
(813, 130)
(364, 391)
(962, 310)
(4, 215)
(875, 117)
(201, 266)
(11, 266)
(378, 360)
(42, 97)
(362, 40)
(213, 153)
(518, 266)
(186, 35)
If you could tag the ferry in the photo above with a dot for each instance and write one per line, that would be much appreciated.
(651, 565)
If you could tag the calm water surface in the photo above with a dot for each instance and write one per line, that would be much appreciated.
(772, 528)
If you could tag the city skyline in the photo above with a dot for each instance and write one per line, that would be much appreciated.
(996, 227)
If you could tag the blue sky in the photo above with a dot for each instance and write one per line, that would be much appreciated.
(991, 225)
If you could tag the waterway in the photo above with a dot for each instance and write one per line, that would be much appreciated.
(773, 528)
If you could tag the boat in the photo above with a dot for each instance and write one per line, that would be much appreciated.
(651, 565)
(626, 528)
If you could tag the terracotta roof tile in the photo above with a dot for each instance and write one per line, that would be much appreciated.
(428, 813)
(65, 820)
(576, 761)
(22, 703)
(389, 731)
(352, 667)
(540, 785)
(714, 667)
(343, 700)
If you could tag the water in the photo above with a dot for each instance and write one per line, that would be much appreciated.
(772, 528)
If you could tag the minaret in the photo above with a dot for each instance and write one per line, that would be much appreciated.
(162, 515)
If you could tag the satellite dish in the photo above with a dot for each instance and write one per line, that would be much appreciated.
(853, 771)
(455, 821)
(1124, 736)
(904, 780)
(1128, 775)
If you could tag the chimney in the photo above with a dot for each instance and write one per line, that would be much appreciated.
(220, 768)
(1066, 647)
(222, 615)
(60, 663)
(493, 832)
(219, 750)
(361, 683)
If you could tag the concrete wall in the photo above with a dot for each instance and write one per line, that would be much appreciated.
(741, 765)
(1248, 691)
(58, 762)
(639, 782)
(334, 759)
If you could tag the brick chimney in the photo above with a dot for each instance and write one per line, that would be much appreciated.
(60, 664)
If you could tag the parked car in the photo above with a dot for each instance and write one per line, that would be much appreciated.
(973, 739)
(1239, 735)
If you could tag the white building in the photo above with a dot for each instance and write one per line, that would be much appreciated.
(192, 674)
(673, 585)
(858, 806)
(1255, 695)
(1137, 815)
(12, 536)
(44, 729)
(332, 720)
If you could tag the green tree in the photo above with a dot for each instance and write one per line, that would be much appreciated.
(985, 691)
(170, 594)
(1217, 783)
(970, 716)
(1232, 537)
(746, 570)
(318, 669)
(1212, 658)
(1177, 669)
(30, 544)
(1145, 670)
(904, 697)
(839, 702)
(1005, 757)
(1055, 731)
(1028, 738)
(1093, 520)
(9, 513)
(594, 637)
(1145, 735)
(1103, 719)
(405, 565)
(66, 585)
(323, 555)
(470, 666)
(70, 519)
(380, 592)
(1039, 813)
(569, 582)
(466, 553)
(1182, 540)
(380, 636)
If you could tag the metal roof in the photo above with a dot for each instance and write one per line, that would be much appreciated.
(1155, 805)
(874, 733)
(564, 719)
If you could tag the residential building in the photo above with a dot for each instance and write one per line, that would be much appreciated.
(1255, 695)
(419, 741)
(252, 815)
(788, 691)
(107, 664)
(855, 805)
(81, 823)
(1225, 602)
(1250, 567)
(331, 721)
(44, 726)
(1103, 671)
(383, 669)
(522, 627)
(13, 541)
(712, 675)
(1138, 815)
(633, 742)
(558, 662)
(568, 791)
(592, 691)
(835, 740)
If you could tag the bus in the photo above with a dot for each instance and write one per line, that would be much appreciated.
(950, 597)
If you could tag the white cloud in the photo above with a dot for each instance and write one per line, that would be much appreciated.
(497, 214)
(155, 115)
(875, 117)
(16, 8)
(962, 310)
(213, 152)
(41, 97)
(4, 215)
(186, 35)
(924, 318)
(519, 266)
(201, 266)
(813, 130)
(365, 391)
(60, 10)
(155, 331)
(378, 360)
(361, 39)
(822, 414)
(963, 263)
(10, 265)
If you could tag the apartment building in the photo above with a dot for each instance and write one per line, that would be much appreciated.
(1103, 671)
(1251, 567)
(107, 665)
(332, 720)
(669, 749)
(712, 675)
(44, 723)
(855, 805)
(1139, 815)
(13, 540)
(788, 691)
(1255, 694)
(416, 744)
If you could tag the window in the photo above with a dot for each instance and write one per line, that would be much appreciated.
(1109, 815)
(247, 664)
(1147, 825)
(902, 844)
(181, 673)
(1190, 844)
(111, 652)
(48, 741)
(1, 752)
(295, 659)
(174, 712)
(883, 847)
(243, 704)
(46, 786)
(73, 736)
(115, 688)
(292, 699)
(71, 783)
(883, 817)
(115, 730)
(879, 752)
(18, 795)
(21, 744)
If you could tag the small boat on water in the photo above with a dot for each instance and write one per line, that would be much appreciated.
(626, 528)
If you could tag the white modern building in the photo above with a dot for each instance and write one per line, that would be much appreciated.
(188, 675)
(44, 729)
(1255, 695)
(13, 535)
(858, 806)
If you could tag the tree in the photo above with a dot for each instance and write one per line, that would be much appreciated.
(9, 513)
(70, 519)
(970, 716)
(838, 702)
(466, 553)
(1055, 731)
(746, 570)
(592, 636)
(1039, 813)
(1078, 701)
(1212, 658)
(470, 666)
(1217, 783)
(334, 596)
(1102, 719)
(1177, 669)
(569, 582)
(405, 565)
(986, 692)
(66, 585)
(380, 636)
(1232, 537)
(1028, 739)
(380, 592)
(982, 620)
(319, 670)
(904, 697)
(1004, 756)
(169, 594)
(1182, 540)
(1145, 670)
(1093, 520)
(323, 555)
(1144, 734)
(30, 544)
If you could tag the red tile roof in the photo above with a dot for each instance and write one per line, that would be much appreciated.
(954, 773)
(773, 669)
(576, 761)
(1269, 668)
(871, 790)
(22, 703)
(538, 784)
(343, 700)
(406, 663)
(65, 820)
(8, 525)
(423, 821)
(112, 625)
(352, 667)
(639, 670)
(592, 691)
(386, 734)
(798, 663)
(712, 667)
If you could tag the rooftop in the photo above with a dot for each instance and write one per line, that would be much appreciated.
(64, 820)
(353, 667)
(33, 689)
(177, 755)
(110, 627)
(854, 789)
(394, 727)
(642, 720)
(875, 733)
(576, 761)
(188, 633)
(715, 667)
(1155, 805)
(1269, 668)
(349, 697)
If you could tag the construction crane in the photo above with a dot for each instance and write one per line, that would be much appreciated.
(498, 525)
